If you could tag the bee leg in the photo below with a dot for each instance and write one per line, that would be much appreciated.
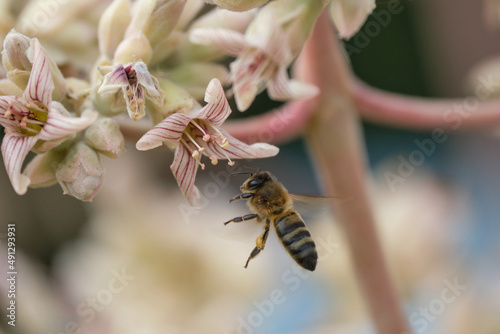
(243, 218)
(261, 243)
(241, 196)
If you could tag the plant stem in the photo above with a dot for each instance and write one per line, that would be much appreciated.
(423, 113)
(336, 143)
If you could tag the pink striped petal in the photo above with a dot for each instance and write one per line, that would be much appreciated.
(239, 150)
(114, 80)
(169, 130)
(227, 40)
(281, 88)
(250, 73)
(40, 84)
(15, 147)
(184, 169)
(268, 36)
(149, 82)
(59, 126)
(217, 109)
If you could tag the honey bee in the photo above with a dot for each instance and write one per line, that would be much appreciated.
(270, 203)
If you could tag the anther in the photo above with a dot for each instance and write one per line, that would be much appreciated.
(213, 160)
(23, 121)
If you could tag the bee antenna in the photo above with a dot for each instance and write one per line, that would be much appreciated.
(254, 168)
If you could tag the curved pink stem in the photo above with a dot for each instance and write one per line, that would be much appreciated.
(277, 126)
(425, 114)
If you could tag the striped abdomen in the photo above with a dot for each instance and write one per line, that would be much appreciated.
(297, 240)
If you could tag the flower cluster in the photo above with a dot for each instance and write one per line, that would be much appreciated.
(154, 60)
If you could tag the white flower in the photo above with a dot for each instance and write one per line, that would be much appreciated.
(34, 117)
(198, 133)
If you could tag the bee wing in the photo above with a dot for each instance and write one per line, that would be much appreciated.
(313, 200)
(313, 206)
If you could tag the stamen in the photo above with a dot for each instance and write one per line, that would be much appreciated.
(28, 129)
(195, 154)
(213, 160)
(34, 121)
(217, 137)
(230, 162)
(225, 143)
(206, 136)
(23, 122)
(8, 113)
(194, 142)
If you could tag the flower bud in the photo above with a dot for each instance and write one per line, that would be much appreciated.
(133, 49)
(80, 174)
(78, 92)
(112, 26)
(176, 100)
(156, 19)
(163, 20)
(194, 77)
(15, 60)
(7, 87)
(105, 136)
(41, 170)
(238, 5)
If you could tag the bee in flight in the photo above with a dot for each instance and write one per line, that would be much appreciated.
(271, 203)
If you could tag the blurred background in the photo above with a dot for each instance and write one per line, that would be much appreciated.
(138, 259)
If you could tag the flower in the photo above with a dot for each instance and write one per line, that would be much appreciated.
(198, 133)
(136, 84)
(263, 56)
(34, 117)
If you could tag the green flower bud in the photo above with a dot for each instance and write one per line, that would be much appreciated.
(105, 136)
(80, 174)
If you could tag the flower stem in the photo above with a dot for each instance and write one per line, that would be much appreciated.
(335, 140)
(424, 113)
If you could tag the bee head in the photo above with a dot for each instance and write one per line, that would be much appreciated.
(256, 180)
